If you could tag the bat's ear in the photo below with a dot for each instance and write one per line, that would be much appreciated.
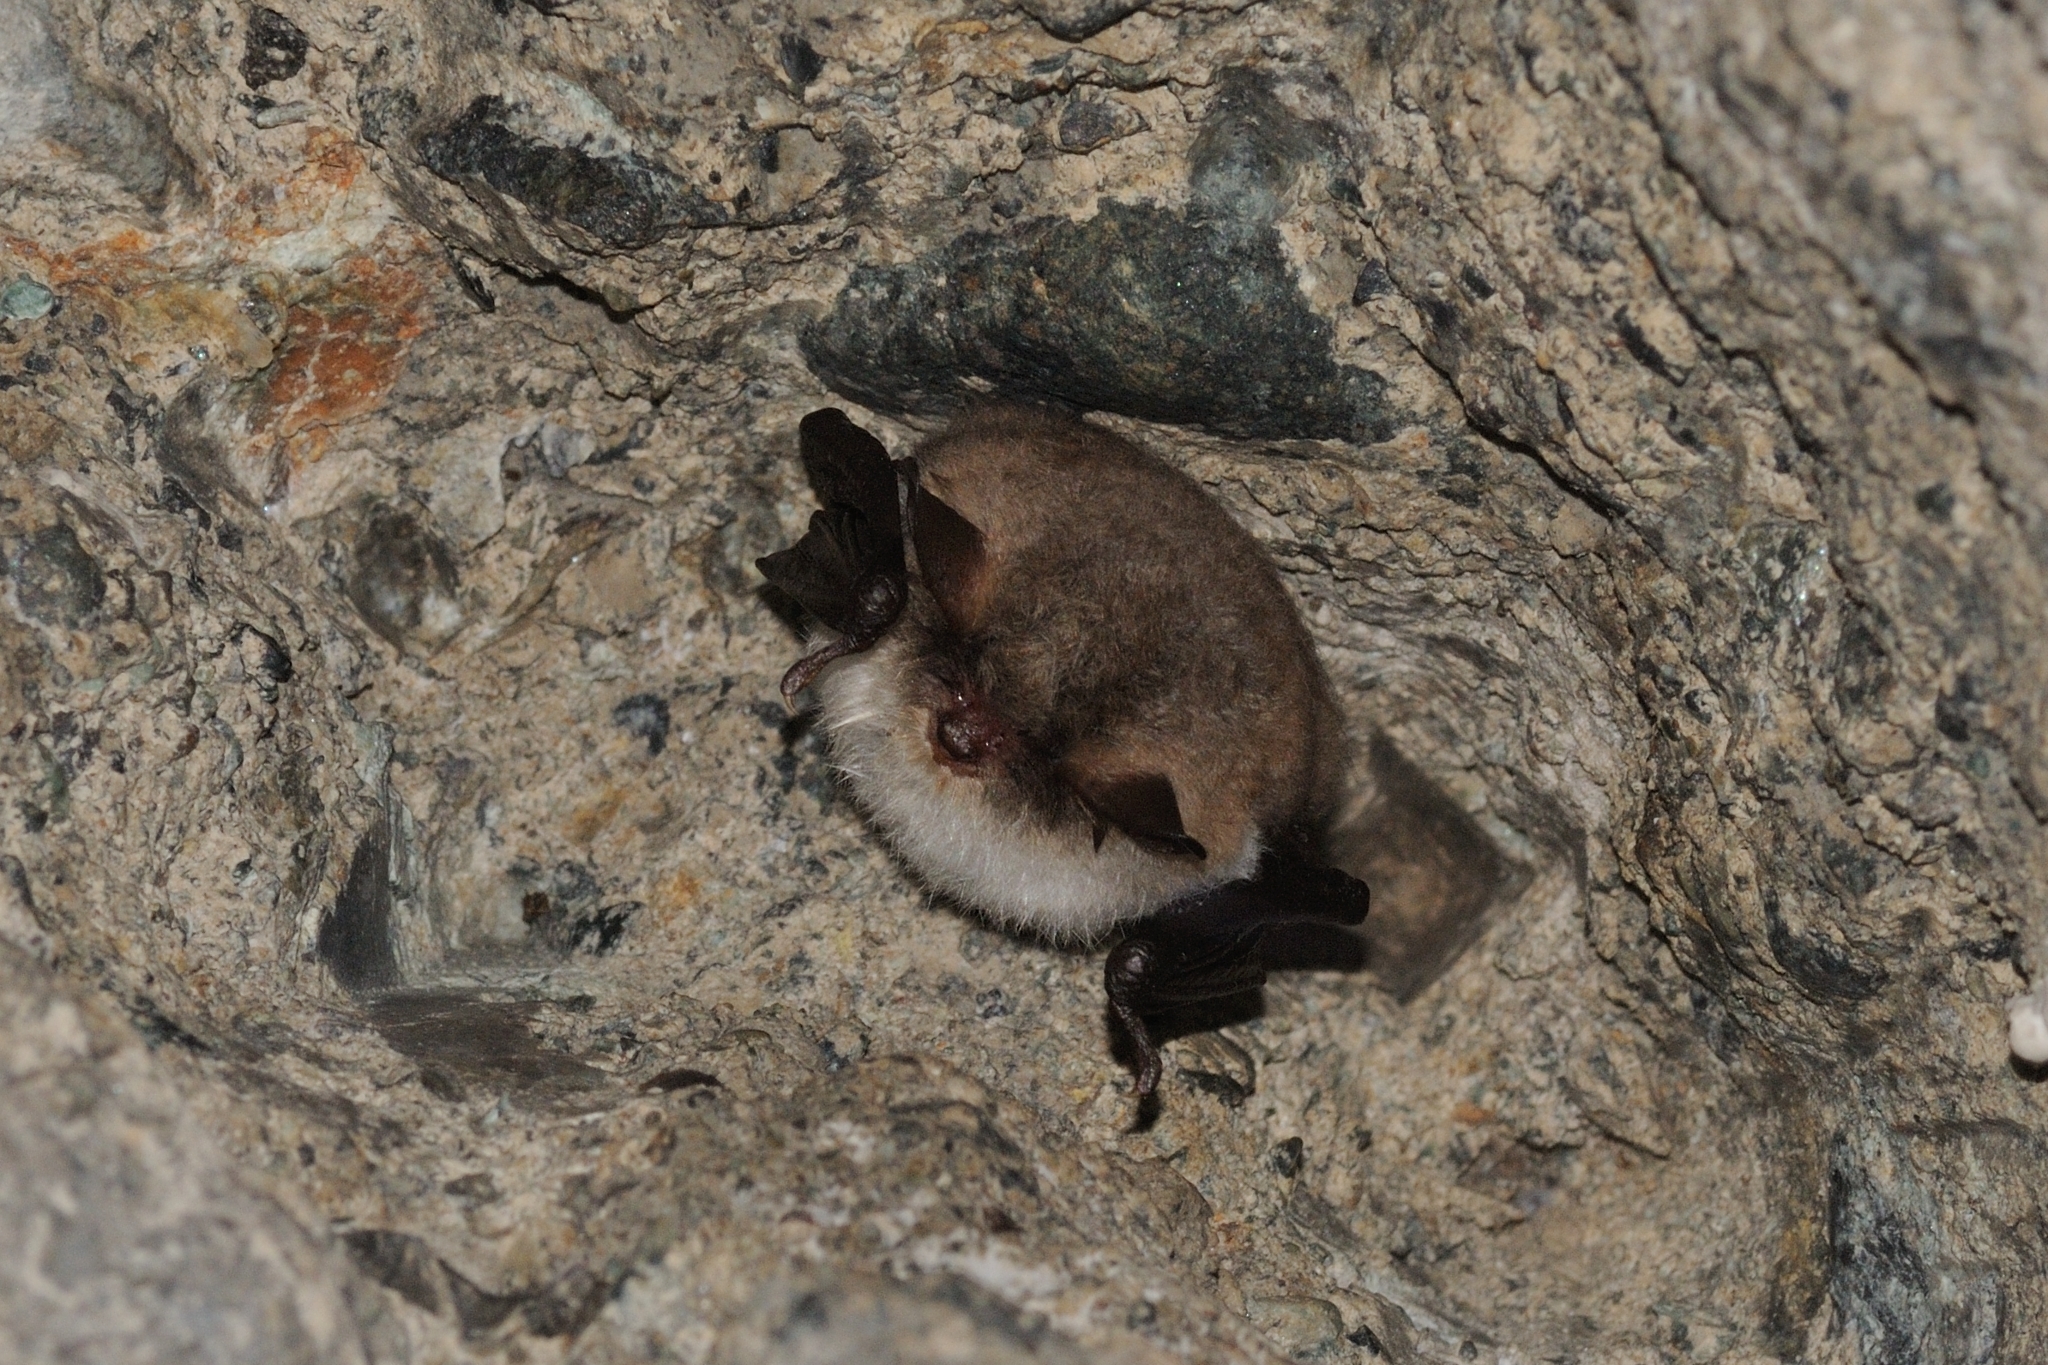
(1143, 807)
(952, 558)
(848, 467)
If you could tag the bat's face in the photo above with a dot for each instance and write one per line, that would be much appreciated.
(977, 807)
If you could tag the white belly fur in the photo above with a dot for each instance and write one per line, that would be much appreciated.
(1052, 881)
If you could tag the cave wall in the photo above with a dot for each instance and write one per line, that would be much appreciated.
(404, 842)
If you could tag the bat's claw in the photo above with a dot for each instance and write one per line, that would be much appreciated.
(1147, 1079)
(805, 671)
(1124, 973)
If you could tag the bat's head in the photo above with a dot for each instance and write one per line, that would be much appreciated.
(996, 783)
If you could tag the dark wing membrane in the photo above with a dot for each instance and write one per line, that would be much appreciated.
(1303, 893)
(1283, 892)
(849, 468)
(823, 570)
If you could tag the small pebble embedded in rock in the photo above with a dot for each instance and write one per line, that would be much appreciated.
(275, 49)
(23, 300)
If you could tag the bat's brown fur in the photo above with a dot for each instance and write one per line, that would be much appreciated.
(1122, 625)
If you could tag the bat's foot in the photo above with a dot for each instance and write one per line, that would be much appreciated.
(805, 671)
(1206, 946)
(1125, 977)
(1146, 1082)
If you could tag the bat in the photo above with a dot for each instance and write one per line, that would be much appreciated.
(1074, 694)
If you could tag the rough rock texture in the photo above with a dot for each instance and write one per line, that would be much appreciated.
(1644, 400)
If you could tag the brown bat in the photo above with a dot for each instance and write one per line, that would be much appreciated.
(1074, 694)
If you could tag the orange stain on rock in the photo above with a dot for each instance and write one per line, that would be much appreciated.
(586, 824)
(122, 260)
(343, 351)
(674, 896)
(680, 891)
(301, 199)
(1470, 1113)
(332, 158)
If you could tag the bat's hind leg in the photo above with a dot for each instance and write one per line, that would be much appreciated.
(1206, 946)
(1150, 971)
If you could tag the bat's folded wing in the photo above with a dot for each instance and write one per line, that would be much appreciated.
(1302, 893)
(848, 467)
(823, 571)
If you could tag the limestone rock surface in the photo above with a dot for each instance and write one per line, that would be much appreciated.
(424, 936)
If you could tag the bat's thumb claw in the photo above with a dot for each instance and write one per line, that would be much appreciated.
(795, 681)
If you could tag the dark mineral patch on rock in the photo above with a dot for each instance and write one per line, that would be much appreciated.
(355, 935)
(1249, 151)
(1639, 346)
(407, 1266)
(129, 408)
(1138, 311)
(190, 455)
(403, 582)
(563, 912)
(1188, 318)
(56, 579)
(275, 49)
(1584, 236)
(1821, 969)
(159, 1029)
(862, 156)
(567, 1308)
(623, 201)
(1879, 1279)
(1074, 20)
(1373, 281)
(1087, 124)
(600, 930)
(397, 1261)
(263, 653)
(800, 61)
(387, 114)
(678, 1078)
(644, 716)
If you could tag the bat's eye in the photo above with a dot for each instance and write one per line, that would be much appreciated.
(961, 737)
(966, 733)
